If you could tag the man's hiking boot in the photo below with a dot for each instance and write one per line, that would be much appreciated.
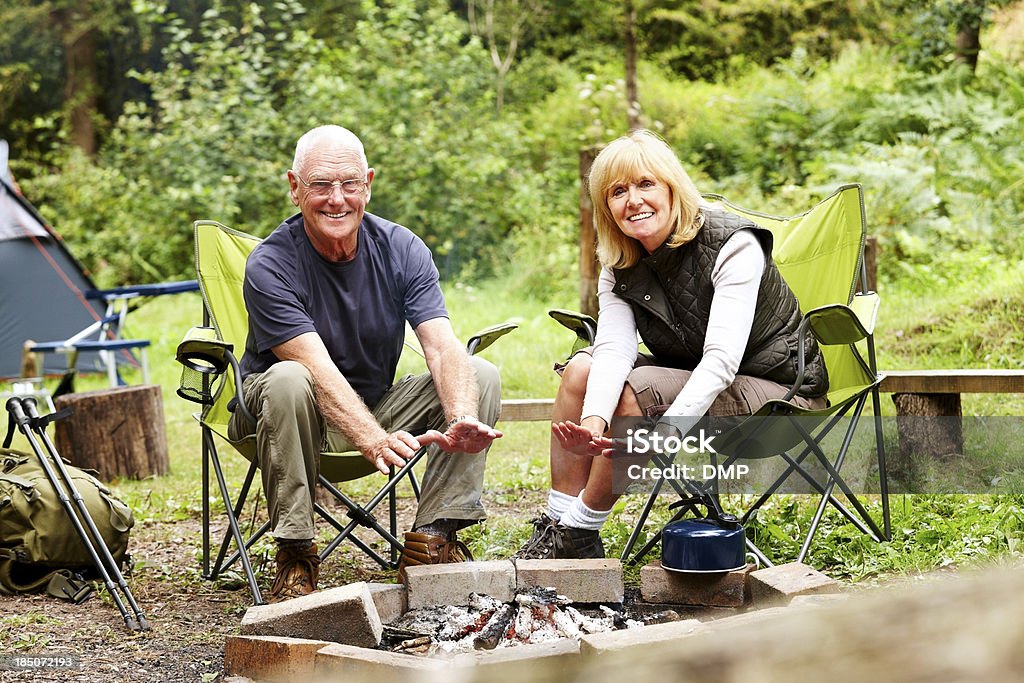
(298, 569)
(429, 549)
(554, 541)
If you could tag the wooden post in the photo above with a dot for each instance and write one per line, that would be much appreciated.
(871, 262)
(589, 266)
(632, 99)
(118, 432)
(30, 366)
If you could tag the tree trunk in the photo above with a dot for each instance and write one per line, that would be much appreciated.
(871, 262)
(632, 101)
(81, 85)
(968, 45)
(117, 432)
(589, 266)
(929, 426)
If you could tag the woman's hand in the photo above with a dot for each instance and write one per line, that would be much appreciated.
(581, 439)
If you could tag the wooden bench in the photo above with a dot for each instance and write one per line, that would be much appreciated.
(936, 394)
(526, 409)
(940, 389)
(953, 382)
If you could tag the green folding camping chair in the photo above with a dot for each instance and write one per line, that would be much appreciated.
(820, 255)
(211, 377)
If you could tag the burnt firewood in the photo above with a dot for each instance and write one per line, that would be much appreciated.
(490, 635)
(414, 644)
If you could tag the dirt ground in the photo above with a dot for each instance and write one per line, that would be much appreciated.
(189, 616)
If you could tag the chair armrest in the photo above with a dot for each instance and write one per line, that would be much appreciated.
(130, 291)
(866, 307)
(206, 359)
(581, 324)
(202, 351)
(840, 324)
(487, 336)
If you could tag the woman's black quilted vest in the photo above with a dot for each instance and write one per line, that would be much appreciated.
(670, 292)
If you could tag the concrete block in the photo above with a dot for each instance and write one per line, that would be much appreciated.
(598, 580)
(612, 641)
(269, 658)
(338, 662)
(779, 584)
(389, 599)
(724, 589)
(517, 663)
(345, 614)
(745, 620)
(451, 584)
(818, 600)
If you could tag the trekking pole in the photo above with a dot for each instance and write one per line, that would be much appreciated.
(23, 412)
(39, 424)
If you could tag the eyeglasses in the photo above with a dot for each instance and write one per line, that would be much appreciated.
(353, 187)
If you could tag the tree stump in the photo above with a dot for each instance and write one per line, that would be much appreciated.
(118, 432)
(929, 426)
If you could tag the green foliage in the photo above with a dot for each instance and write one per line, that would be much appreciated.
(446, 164)
(938, 153)
(926, 33)
(706, 40)
(209, 145)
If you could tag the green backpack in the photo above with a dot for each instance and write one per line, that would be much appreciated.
(39, 547)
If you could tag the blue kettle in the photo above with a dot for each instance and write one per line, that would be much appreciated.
(713, 543)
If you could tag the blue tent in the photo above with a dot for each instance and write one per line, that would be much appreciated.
(41, 284)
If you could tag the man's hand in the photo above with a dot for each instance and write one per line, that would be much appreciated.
(580, 440)
(396, 448)
(467, 435)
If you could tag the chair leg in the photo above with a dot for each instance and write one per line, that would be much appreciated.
(393, 516)
(225, 563)
(243, 494)
(414, 482)
(345, 534)
(206, 505)
(756, 552)
(233, 523)
(361, 515)
(638, 526)
(793, 466)
(883, 477)
(856, 521)
(836, 479)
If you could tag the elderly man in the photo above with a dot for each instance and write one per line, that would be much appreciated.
(328, 295)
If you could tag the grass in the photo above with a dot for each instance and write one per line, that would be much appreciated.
(963, 327)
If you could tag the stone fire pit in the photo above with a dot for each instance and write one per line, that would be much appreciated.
(498, 613)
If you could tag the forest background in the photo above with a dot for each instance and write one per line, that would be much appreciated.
(130, 119)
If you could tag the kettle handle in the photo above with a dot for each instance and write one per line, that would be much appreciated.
(713, 511)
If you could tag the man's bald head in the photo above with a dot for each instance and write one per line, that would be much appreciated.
(330, 135)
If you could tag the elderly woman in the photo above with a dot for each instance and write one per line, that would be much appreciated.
(699, 286)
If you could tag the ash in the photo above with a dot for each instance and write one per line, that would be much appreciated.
(536, 615)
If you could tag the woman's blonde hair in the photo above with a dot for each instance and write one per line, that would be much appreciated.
(627, 160)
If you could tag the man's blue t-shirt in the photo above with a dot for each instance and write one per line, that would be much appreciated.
(358, 307)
